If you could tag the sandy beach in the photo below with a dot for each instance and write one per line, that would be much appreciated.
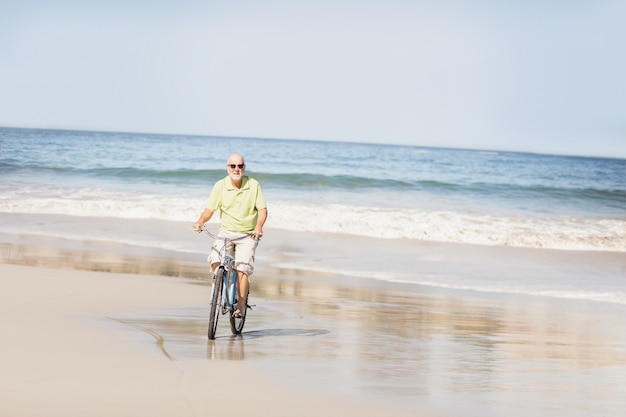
(95, 329)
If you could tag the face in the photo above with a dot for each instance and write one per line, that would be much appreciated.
(235, 167)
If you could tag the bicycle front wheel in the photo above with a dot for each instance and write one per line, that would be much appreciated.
(236, 324)
(216, 299)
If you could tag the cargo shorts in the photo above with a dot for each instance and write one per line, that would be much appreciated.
(242, 250)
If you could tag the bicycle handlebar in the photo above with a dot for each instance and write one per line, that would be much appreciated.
(208, 232)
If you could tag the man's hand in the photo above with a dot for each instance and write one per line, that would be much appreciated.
(204, 217)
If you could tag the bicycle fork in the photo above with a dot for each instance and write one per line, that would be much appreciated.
(229, 289)
(230, 285)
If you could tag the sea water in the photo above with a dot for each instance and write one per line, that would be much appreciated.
(478, 197)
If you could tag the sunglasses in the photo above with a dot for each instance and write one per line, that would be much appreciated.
(233, 166)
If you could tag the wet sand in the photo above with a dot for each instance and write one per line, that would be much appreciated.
(91, 329)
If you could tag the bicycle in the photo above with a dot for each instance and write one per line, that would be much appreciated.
(224, 289)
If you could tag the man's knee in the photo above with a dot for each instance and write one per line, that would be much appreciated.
(245, 268)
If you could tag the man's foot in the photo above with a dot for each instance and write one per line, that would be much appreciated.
(237, 314)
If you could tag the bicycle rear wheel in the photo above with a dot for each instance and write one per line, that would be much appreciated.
(216, 299)
(236, 324)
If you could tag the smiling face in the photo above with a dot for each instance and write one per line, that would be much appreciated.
(235, 166)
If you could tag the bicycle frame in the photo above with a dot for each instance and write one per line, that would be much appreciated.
(229, 290)
(225, 279)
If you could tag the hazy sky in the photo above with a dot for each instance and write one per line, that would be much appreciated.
(529, 75)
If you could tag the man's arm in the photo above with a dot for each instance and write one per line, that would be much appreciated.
(258, 230)
(204, 217)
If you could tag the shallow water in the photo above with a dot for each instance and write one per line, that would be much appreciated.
(435, 350)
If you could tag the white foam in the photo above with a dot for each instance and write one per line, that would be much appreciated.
(458, 227)
(395, 223)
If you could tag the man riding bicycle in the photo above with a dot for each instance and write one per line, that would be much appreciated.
(243, 211)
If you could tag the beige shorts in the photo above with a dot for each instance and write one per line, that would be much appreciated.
(242, 250)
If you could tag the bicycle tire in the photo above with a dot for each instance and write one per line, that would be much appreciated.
(216, 300)
(226, 306)
(236, 324)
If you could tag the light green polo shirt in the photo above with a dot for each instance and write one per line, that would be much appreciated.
(239, 208)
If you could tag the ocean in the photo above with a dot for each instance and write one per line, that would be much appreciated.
(460, 196)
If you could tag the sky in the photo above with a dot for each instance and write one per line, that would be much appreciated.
(522, 75)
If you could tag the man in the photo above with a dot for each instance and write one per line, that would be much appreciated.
(242, 211)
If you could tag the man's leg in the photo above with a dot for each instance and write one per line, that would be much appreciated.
(243, 285)
(244, 259)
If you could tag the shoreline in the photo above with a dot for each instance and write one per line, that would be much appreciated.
(172, 249)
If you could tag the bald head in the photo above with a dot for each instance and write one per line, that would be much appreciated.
(235, 158)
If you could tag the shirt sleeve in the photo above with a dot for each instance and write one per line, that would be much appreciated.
(213, 201)
(260, 199)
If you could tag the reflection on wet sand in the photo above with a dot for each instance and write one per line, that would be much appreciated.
(521, 327)
(100, 257)
(407, 343)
